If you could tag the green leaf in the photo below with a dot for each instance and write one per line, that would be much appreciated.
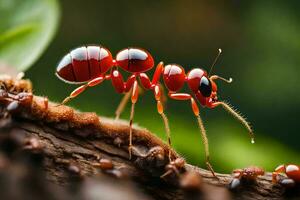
(26, 28)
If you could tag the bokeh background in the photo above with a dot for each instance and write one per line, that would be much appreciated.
(261, 45)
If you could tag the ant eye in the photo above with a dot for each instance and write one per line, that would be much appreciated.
(205, 87)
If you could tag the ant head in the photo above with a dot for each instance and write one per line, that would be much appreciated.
(204, 86)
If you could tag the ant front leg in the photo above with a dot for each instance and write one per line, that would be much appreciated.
(195, 108)
(82, 88)
(121, 87)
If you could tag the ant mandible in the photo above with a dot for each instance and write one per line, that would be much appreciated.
(88, 65)
(204, 88)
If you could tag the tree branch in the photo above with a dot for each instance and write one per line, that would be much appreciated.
(84, 151)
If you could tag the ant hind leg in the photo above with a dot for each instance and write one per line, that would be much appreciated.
(82, 88)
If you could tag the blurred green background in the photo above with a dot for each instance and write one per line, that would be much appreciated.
(261, 45)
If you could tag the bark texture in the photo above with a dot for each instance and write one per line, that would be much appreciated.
(54, 152)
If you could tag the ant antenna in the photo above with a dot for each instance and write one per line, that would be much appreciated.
(214, 77)
(215, 61)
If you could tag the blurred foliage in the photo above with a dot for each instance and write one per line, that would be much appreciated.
(26, 28)
(260, 41)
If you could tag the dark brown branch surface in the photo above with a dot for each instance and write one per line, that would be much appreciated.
(88, 153)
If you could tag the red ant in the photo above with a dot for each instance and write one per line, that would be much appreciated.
(291, 171)
(90, 64)
(248, 174)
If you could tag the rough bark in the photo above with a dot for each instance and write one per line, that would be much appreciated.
(54, 152)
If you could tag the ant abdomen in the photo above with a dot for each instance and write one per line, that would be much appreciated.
(84, 63)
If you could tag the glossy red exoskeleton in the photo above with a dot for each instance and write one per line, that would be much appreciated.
(84, 64)
(90, 64)
(291, 171)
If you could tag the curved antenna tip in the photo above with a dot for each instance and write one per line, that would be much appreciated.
(220, 50)
(221, 78)
(252, 141)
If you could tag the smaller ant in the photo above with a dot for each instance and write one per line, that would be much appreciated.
(174, 166)
(292, 173)
(247, 174)
(16, 91)
(15, 85)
